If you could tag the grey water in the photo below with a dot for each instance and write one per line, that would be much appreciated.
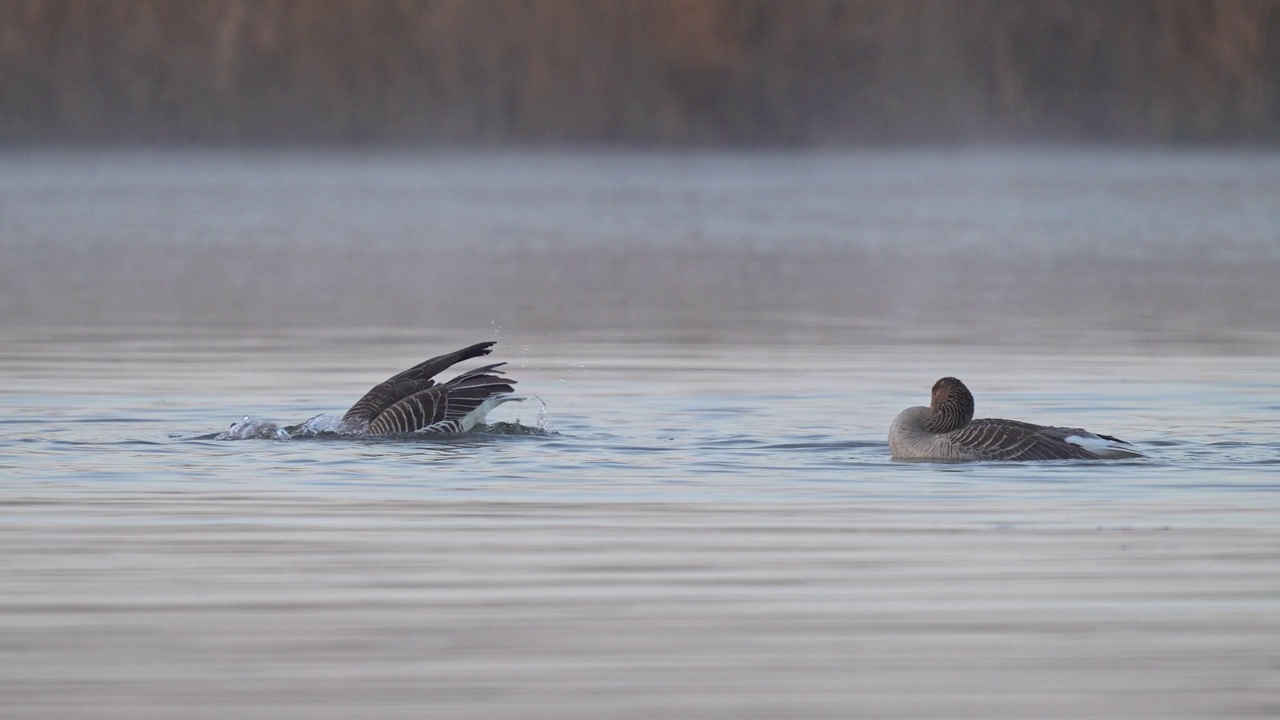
(693, 513)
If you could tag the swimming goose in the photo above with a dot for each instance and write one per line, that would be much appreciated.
(946, 430)
(412, 402)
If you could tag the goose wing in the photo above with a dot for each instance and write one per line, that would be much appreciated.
(452, 407)
(1014, 440)
(1065, 433)
(1103, 446)
(415, 380)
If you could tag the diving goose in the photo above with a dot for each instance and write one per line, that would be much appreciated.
(412, 402)
(946, 430)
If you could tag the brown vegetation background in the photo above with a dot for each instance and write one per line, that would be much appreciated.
(640, 71)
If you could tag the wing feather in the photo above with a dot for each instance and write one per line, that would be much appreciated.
(406, 384)
(1014, 440)
(445, 408)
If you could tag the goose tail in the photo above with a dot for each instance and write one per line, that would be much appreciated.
(1104, 446)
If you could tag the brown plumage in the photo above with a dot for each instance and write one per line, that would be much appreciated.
(412, 401)
(946, 430)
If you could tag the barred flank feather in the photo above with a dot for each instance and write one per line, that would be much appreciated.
(411, 381)
(412, 401)
(453, 407)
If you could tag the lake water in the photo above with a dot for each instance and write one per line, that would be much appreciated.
(693, 513)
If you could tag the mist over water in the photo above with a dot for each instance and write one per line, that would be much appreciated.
(1024, 241)
(711, 525)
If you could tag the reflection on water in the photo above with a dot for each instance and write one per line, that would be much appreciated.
(711, 526)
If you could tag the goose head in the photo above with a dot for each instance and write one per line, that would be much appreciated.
(950, 406)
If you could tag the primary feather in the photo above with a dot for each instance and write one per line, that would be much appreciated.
(412, 401)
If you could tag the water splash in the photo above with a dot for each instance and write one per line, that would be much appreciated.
(327, 425)
(512, 428)
(250, 428)
(322, 424)
(542, 413)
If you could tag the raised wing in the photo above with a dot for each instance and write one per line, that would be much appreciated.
(415, 380)
(453, 407)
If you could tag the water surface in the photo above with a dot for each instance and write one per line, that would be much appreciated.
(709, 524)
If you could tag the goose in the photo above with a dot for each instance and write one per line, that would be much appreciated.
(410, 402)
(946, 430)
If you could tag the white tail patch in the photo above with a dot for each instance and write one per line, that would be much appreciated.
(476, 417)
(1103, 447)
